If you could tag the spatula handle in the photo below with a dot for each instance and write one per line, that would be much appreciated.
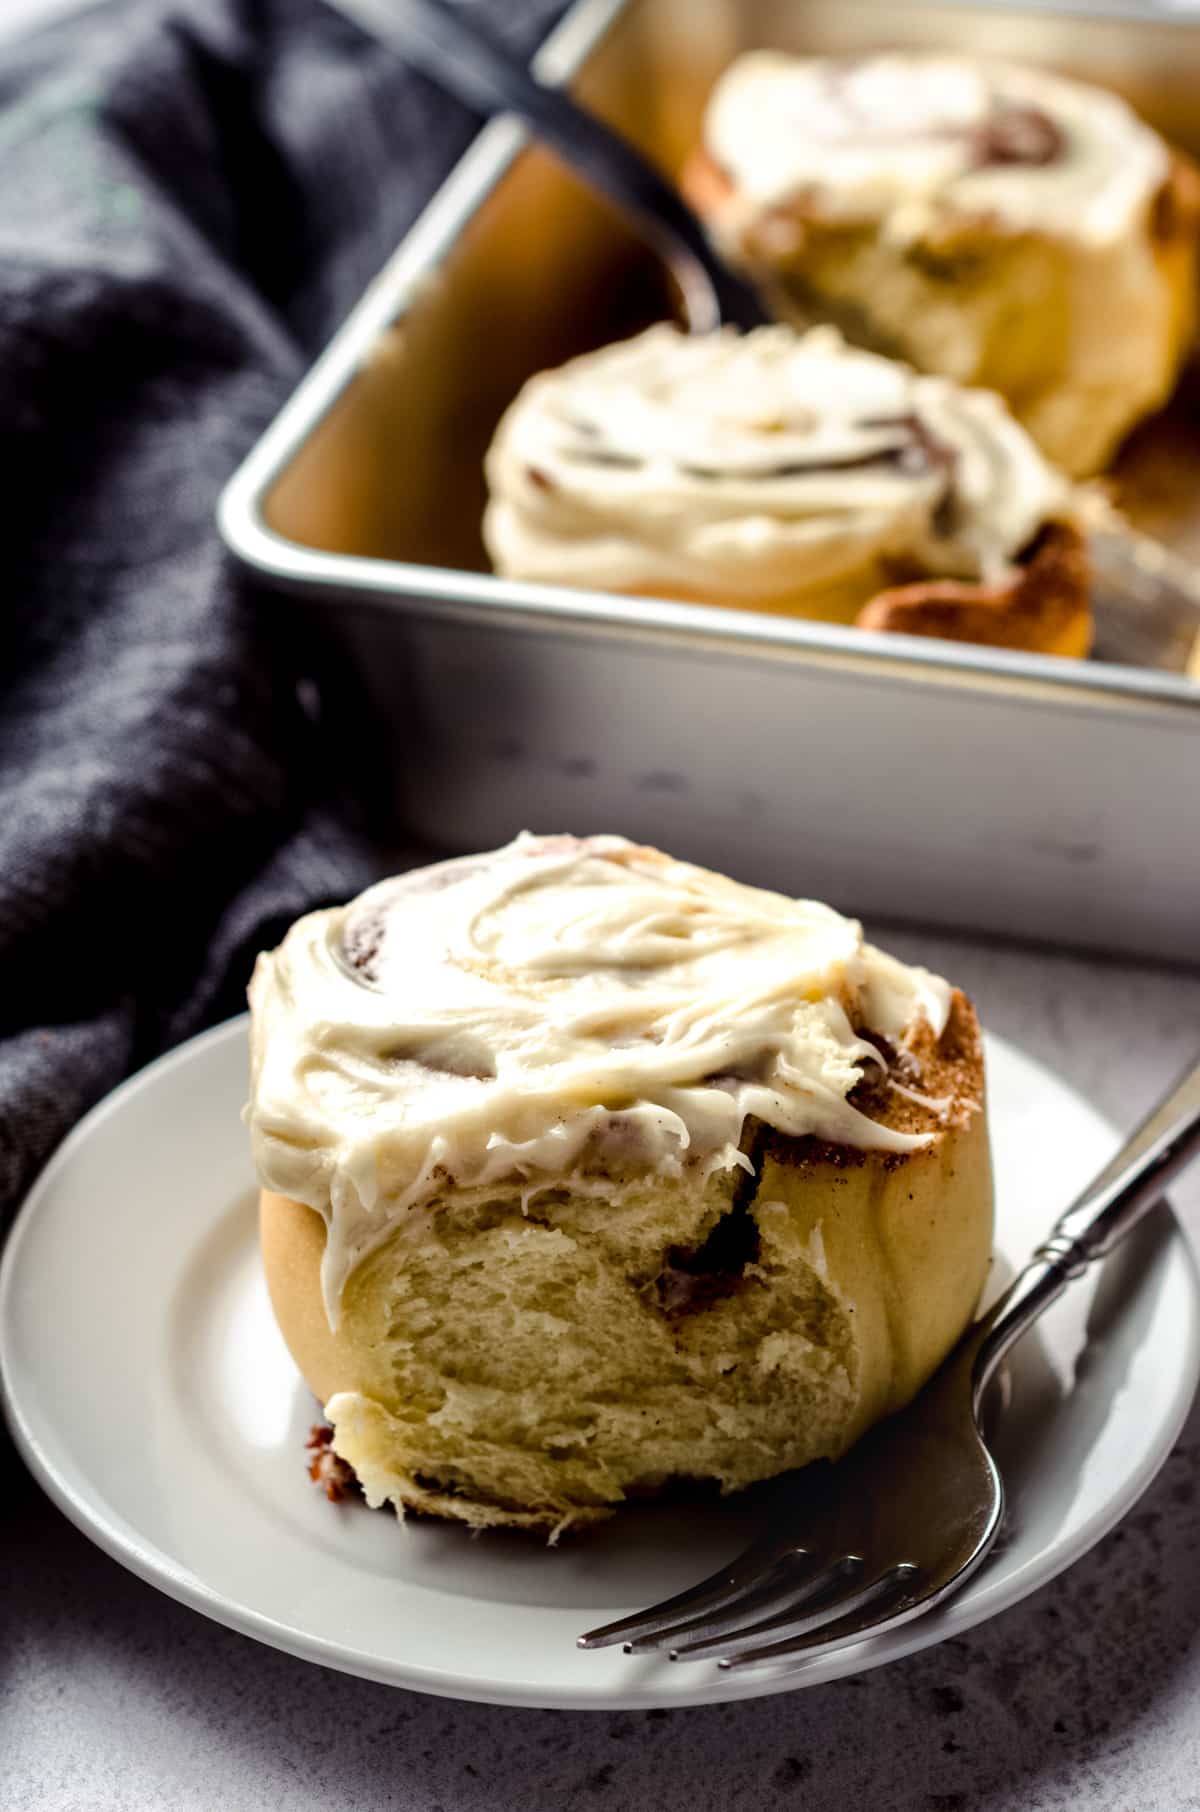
(461, 57)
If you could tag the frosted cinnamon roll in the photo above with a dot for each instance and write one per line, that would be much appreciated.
(1003, 226)
(780, 472)
(587, 1172)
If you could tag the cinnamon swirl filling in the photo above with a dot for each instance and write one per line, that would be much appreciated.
(563, 1010)
(914, 138)
(771, 470)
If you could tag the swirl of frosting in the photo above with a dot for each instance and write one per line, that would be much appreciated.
(542, 1012)
(757, 469)
(912, 138)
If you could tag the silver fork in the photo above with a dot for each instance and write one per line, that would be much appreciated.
(908, 1515)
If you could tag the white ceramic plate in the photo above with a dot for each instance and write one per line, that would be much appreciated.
(149, 1390)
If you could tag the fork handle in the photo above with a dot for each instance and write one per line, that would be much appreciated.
(461, 56)
(1115, 1201)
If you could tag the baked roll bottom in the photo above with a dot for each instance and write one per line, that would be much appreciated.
(1045, 608)
(536, 1364)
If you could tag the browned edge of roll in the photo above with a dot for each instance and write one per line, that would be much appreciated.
(1045, 608)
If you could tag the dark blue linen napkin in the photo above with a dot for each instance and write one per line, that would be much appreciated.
(194, 193)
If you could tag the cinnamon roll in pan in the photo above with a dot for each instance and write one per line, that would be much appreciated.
(588, 1173)
(1003, 226)
(788, 473)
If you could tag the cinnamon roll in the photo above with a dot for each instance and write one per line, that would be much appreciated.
(1002, 226)
(587, 1173)
(788, 473)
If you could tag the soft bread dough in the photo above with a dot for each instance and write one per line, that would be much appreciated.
(537, 1368)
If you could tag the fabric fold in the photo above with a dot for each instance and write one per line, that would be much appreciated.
(196, 192)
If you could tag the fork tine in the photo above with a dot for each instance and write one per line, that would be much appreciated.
(745, 1572)
(856, 1615)
(919, 1593)
(793, 1577)
(823, 1594)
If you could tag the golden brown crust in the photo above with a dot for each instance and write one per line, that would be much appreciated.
(1044, 608)
(1176, 213)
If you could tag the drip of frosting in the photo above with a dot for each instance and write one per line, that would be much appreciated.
(756, 467)
(550, 1011)
(911, 139)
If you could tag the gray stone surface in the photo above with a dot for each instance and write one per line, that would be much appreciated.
(1087, 1696)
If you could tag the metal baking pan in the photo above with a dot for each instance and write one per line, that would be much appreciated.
(898, 778)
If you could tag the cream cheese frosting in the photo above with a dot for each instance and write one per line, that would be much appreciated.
(546, 1011)
(757, 468)
(912, 139)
